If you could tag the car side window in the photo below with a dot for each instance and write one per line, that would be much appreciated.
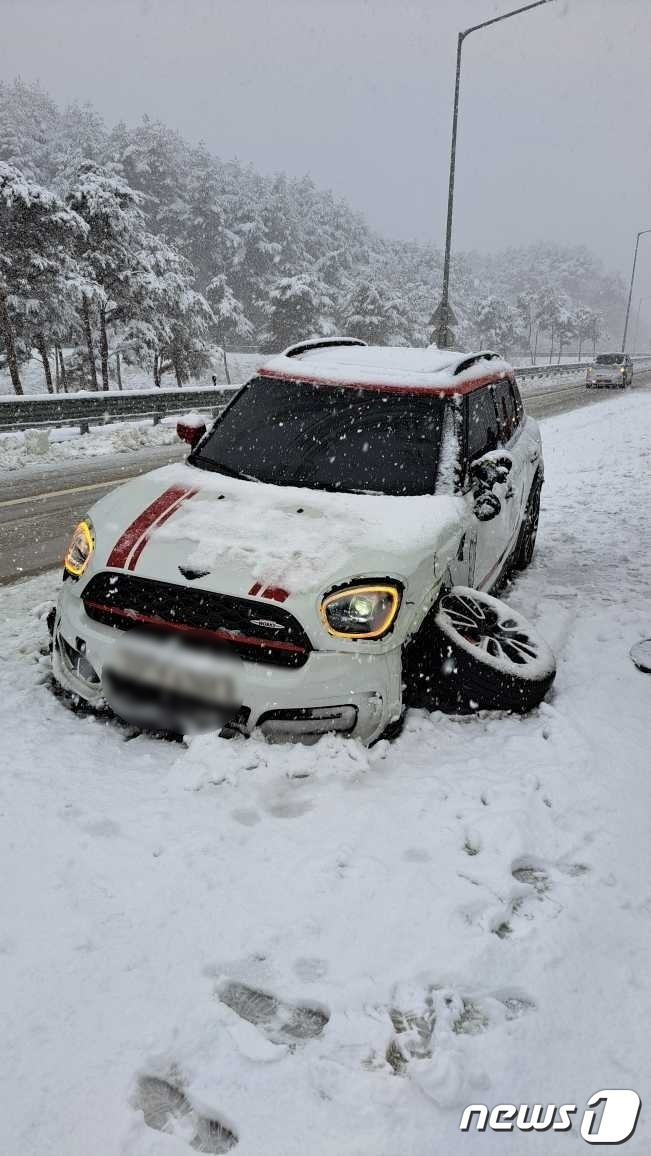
(505, 410)
(517, 402)
(483, 428)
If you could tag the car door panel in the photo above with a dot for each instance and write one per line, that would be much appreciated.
(488, 540)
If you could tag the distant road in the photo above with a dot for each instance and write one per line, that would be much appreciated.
(40, 507)
(565, 397)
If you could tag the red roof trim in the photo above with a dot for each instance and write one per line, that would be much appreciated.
(197, 631)
(460, 387)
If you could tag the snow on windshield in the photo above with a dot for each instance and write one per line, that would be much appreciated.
(293, 433)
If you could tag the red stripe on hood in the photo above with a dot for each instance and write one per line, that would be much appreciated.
(143, 524)
(138, 549)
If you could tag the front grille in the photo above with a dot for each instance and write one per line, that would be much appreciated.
(201, 617)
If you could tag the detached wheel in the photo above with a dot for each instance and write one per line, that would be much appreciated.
(490, 657)
(529, 529)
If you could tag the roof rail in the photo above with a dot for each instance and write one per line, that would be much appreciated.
(320, 343)
(467, 362)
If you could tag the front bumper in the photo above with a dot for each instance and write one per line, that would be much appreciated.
(328, 685)
(606, 382)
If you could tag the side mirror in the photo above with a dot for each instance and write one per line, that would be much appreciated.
(190, 429)
(486, 506)
(491, 470)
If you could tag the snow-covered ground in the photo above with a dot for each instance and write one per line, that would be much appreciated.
(330, 950)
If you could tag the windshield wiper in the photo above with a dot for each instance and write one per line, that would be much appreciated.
(219, 468)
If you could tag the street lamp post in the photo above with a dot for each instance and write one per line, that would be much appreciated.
(442, 314)
(630, 291)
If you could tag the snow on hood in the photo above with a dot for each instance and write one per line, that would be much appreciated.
(295, 537)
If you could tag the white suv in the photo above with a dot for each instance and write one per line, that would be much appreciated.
(610, 369)
(323, 557)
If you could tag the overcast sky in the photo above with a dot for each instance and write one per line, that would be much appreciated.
(555, 127)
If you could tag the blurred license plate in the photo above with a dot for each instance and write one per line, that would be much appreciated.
(174, 674)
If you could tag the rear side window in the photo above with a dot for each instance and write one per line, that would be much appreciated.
(517, 402)
(505, 409)
(483, 427)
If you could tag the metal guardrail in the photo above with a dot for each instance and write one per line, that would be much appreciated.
(84, 410)
(533, 371)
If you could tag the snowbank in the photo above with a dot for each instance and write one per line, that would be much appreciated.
(329, 950)
(46, 446)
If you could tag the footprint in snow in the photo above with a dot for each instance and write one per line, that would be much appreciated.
(446, 1011)
(472, 845)
(310, 969)
(165, 1108)
(247, 816)
(539, 884)
(281, 1023)
(289, 808)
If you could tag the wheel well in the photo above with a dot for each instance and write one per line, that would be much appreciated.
(417, 670)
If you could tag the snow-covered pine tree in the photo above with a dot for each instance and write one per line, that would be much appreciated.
(493, 324)
(366, 314)
(169, 318)
(29, 124)
(296, 310)
(38, 265)
(116, 227)
(231, 322)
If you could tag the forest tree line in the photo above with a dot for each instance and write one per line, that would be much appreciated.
(130, 244)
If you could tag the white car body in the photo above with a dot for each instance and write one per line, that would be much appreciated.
(610, 369)
(257, 552)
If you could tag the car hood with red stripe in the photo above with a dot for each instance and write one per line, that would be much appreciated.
(247, 538)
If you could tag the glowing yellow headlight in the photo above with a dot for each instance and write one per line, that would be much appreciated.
(80, 548)
(360, 611)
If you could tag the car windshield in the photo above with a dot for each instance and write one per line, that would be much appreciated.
(610, 359)
(291, 433)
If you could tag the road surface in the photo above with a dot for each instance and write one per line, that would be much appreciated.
(39, 508)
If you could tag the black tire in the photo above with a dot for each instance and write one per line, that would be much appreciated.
(487, 656)
(526, 543)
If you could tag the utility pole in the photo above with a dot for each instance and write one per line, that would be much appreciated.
(442, 315)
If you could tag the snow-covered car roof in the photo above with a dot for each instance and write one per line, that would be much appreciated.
(390, 369)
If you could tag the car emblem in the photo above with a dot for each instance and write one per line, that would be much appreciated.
(266, 623)
(189, 573)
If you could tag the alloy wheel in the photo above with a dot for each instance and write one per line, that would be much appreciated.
(499, 635)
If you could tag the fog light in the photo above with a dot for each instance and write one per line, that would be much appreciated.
(76, 662)
(307, 723)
